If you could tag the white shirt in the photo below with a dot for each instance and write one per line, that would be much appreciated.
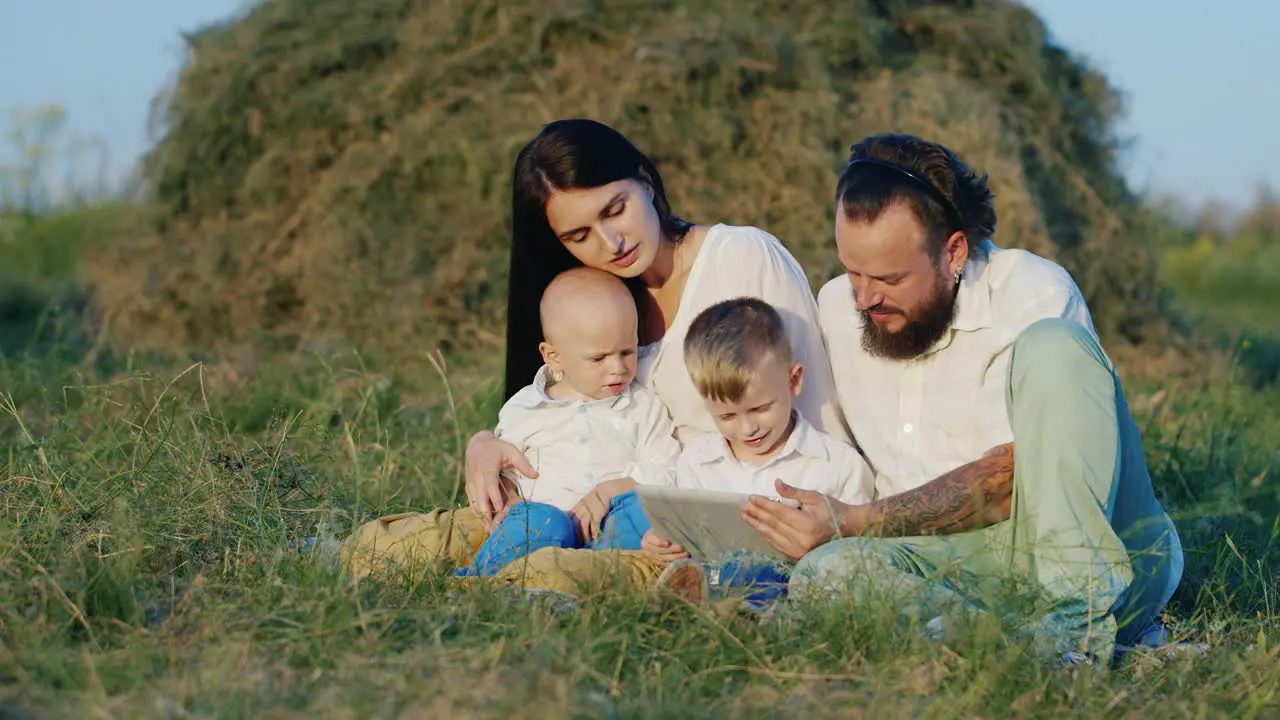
(810, 460)
(918, 419)
(576, 444)
(736, 262)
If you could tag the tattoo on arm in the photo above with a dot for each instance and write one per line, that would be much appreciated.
(969, 497)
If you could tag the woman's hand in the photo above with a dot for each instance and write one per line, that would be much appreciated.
(489, 493)
(661, 549)
(589, 513)
(796, 531)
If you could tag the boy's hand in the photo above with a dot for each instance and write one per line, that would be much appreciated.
(661, 549)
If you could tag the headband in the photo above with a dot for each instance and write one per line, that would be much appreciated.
(947, 205)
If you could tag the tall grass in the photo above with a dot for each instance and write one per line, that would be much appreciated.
(1233, 287)
(41, 302)
(149, 538)
(151, 519)
(153, 513)
(1226, 279)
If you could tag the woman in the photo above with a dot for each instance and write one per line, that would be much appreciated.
(582, 194)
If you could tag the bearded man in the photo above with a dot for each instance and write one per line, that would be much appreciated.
(948, 353)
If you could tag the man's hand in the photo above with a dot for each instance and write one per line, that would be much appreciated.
(588, 514)
(796, 531)
(971, 496)
(661, 549)
(488, 491)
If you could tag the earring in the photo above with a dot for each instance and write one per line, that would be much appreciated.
(957, 277)
(557, 376)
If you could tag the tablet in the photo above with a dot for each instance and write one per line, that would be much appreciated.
(708, 523)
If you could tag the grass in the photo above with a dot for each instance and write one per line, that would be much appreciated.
(335, 168)
(39, 295)
(149, 516)
(149, 567)
(150, 513)
(1231, 287)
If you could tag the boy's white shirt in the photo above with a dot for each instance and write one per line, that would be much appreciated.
(810, 460)
(575, 444)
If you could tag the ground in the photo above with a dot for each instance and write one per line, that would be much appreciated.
(151, 512)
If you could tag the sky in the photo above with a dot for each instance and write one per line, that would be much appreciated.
(1202, 85)
(1202, 88)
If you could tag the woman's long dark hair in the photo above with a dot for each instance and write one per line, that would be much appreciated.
(570, 154)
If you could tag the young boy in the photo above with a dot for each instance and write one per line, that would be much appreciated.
(591, 433)
(741, 363)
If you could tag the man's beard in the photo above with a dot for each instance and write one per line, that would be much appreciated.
(924, 326)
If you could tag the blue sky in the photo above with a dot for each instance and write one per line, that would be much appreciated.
(1203, 85)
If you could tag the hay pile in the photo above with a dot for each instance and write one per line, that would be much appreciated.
(339, 169)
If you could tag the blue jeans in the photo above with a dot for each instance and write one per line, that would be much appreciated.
(765, 577)
(531, 526)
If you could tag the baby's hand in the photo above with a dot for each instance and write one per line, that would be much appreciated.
(660, 549)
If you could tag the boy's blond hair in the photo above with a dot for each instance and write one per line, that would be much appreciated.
(726, 343)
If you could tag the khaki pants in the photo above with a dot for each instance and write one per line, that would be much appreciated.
(582, 571)
(408, 541)
(411, 540)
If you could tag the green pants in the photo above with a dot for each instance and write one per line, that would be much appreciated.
(1086, 533)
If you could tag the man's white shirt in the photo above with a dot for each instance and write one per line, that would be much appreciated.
(918, 419)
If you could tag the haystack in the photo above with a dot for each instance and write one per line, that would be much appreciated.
(339, 169)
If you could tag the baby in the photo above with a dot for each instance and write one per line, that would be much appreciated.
(591, 433)
(740, 360)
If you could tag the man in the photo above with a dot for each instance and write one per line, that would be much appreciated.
(949, 352)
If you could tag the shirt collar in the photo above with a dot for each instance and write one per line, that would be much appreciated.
(804, 440)
(973, 298)
(536, 395)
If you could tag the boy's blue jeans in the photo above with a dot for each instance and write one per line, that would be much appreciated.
(530, 526)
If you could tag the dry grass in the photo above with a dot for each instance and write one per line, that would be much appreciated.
(341, 171)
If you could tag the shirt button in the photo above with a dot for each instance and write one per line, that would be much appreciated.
(908, 428)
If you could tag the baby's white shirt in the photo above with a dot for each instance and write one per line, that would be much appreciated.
(576, 444)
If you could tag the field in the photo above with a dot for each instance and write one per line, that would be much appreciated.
(152, 511)
(300, 324)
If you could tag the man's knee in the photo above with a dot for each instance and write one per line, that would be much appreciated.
(1052, 347)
